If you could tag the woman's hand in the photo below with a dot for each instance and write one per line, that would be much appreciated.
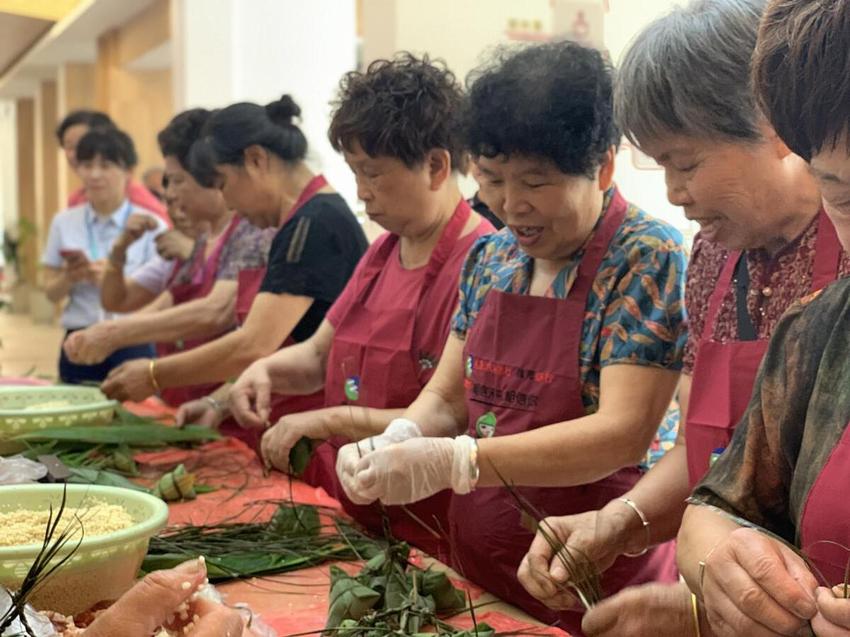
(601, 536)
(756, 586)
(279, 440)
(250, 396)
(91, 345)
(833, 618)
(173, 244)
(651, 610)
(137, 225)
(200, 412)
(154, 601)
(130, 381)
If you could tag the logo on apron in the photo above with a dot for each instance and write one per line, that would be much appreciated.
(469, 366)
(715, 455)
(427, 361)
(485, 426)
(352, 388)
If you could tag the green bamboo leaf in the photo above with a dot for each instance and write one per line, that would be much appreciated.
(150, 435)
(299, 456)
(83, 475)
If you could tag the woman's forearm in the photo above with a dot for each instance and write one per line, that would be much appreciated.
(356, 423)
(703, 528)
(437, 413)
(113, 290)
(201, 318)
(297, 370)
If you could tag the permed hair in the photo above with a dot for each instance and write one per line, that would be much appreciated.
(92, 119)
(547, 100)
(401, 108)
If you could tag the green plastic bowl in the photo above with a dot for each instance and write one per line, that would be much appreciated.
(27, 409)
(103, 567)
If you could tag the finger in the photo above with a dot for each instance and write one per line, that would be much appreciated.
(601, 618)
(834, 609)
(822, 627)
(769, 570)
(533, 579)
(240, 405)
(150, 603)
(754, 613)
(262, 400)
(267, 449)
(180, 416)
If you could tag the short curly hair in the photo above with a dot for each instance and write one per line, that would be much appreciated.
(402, 108)
(549, 100)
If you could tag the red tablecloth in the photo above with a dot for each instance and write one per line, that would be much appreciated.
(293, 602)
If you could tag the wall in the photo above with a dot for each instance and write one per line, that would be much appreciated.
(227, 51)
(8, 168)
(75, 88)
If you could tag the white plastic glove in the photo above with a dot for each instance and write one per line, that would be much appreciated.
(399, 430)
(413, 470)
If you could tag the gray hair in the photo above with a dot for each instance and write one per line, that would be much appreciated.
(688, 73)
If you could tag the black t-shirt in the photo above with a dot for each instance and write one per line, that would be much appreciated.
(314, 254)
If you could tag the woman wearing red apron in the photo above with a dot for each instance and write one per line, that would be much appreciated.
(195, 303)
(763, 245)
(565, 349)
(383, 337)
(786, 469)
(255, 156)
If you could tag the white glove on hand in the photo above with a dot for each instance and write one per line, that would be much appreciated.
(413, 470)
(399, 430)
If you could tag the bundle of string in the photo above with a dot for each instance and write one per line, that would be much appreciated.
(583, 577)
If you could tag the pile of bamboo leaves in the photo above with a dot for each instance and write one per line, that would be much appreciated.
(391, 596)
(104, 454)
(293, 539)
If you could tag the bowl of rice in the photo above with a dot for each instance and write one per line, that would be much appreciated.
(108, 528)
(28, 409)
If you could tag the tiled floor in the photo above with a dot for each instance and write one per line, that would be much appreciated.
(27, 348)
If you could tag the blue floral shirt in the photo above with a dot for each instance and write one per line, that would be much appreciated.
(635, 310)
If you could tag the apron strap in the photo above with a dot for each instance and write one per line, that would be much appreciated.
(746, 329)
(719, 293)
(443, 250)
(313, 186)
(827, 253)
(593, 255)
(210, 267)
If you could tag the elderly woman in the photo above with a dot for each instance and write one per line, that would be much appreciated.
(81, 238)
(199, 300)
(764, 243)
(566, 347)
(380, 342)
(787, 469)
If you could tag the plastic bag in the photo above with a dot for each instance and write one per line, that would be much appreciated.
(40, 625)
(258, 628)
(20, 470)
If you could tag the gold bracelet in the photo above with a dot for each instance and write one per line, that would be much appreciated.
(643, 521)
(152, 372)
(702, 563)
(695, 607)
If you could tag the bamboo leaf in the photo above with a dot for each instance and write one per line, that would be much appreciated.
(150, 435)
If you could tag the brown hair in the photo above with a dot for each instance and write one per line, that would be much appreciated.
(801, 72)
(402, 108)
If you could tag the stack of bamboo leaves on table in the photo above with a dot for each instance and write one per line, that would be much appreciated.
(104, 454)
(294, 538)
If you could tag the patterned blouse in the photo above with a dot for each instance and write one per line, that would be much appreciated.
(797, 415)
(776, 281)
(247, 249)
(635, 310)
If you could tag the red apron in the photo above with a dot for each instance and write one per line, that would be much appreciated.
(523, 373)
(376, 360)
(825, 518)
(725, 372)
(203, 280)
(248, 287)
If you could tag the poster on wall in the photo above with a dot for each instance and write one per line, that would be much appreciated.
(580, 20)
